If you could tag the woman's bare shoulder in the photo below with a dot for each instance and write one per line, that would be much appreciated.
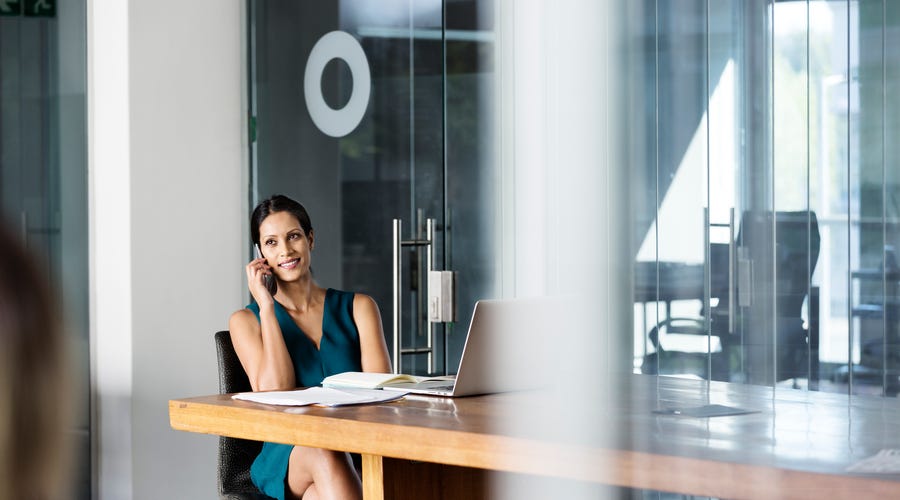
(242, 319)
(359, 298)
(365, 312)
(364, 303)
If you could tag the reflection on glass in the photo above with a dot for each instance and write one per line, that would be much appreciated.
(725, 126)
(798, 236)
(831, 184)
(792, 265)
(873, 285)
(891, 192)
(471, 175)
(639, 107)
(669, 273)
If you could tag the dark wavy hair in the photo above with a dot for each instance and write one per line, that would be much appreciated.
(278, 203)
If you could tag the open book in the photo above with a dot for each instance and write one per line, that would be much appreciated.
(367, 380)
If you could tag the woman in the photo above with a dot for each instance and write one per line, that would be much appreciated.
(295, 339)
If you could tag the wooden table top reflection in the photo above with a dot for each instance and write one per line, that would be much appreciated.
(797, 444)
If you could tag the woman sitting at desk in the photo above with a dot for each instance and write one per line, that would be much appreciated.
(294, 335)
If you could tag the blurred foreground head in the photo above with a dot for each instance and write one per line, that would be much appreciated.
(33, 395)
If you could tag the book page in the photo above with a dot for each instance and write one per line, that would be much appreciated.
(365, 380)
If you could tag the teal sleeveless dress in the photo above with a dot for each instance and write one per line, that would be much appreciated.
(339, 351)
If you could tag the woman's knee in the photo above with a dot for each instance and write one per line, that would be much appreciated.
(314, 460)
(315, 472)
(333, 461)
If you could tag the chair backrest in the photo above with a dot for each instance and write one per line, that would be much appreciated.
(235, 455)
(798, 253)
(232, 377)
(797, 243)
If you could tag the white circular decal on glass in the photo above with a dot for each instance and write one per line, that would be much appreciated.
(337, 122)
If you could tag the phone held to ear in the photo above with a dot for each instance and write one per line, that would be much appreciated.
(271, 284)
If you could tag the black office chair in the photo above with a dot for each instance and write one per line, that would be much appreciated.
(697, 362)
(796, 254)
(680, 282)
(235, 455)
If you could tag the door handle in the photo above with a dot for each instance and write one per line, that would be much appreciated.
(731, 263)
(398, 243)
(744, 278)
(398, 300)
(731, 259)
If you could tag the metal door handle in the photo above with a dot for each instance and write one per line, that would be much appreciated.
(429, 266)
(731, 261)
(397, 298)
(398, 244)
(744, 278)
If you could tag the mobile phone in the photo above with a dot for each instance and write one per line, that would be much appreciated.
(271, 284)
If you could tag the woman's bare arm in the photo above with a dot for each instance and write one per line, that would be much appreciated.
(259, 344)
(373, 348)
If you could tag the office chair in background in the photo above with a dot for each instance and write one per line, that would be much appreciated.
(235, 455)
(797, 243)
(796, 252)
(681, 345)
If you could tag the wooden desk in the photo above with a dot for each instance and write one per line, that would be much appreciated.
(798, 445)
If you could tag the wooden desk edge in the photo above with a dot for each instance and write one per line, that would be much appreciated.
(625, 468)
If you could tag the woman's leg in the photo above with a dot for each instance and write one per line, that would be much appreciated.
(314, 474)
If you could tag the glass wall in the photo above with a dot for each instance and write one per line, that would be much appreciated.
(419, 150)
(757, 140)
(765, 191)
(43, 169)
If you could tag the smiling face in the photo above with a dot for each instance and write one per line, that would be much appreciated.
(285, 246)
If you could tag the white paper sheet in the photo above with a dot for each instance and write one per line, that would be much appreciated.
(320, 396)
(705, 411)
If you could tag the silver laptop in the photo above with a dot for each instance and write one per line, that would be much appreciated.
(496, 356)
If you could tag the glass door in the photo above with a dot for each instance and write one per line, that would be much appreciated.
(374, 113)
(774, 120)
(727, 240)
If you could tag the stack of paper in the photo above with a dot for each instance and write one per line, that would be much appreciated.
(320, 396)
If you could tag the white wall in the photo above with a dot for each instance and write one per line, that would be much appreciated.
(168, 203)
